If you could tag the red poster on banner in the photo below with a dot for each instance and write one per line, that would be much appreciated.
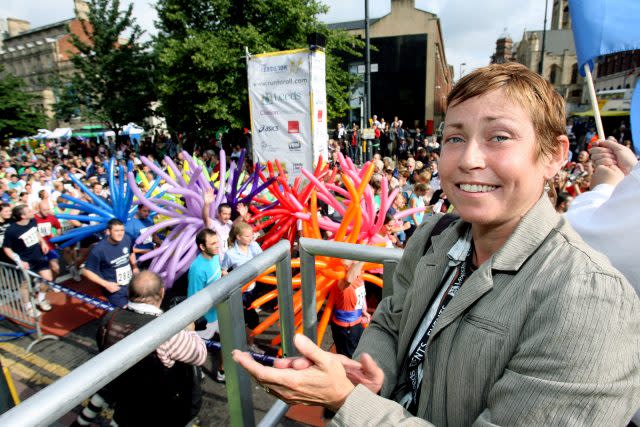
(319, 115)
(293, 126)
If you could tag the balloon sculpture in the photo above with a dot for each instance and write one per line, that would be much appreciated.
(178, 250)
(100, 212)
(279, 211)
(360, 224)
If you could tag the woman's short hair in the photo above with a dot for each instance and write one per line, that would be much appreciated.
(532, 92)
(237, 229)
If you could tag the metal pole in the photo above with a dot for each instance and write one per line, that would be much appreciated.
(238, 384)
(275, 414)
(389, 268)
(544, 36)
(308, 273)
(367, 63)
(285, 305)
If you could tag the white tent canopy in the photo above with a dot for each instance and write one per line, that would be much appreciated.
(61, 133)
(131, 129)
(43, 134)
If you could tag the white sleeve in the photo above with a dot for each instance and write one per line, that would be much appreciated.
(608, 219)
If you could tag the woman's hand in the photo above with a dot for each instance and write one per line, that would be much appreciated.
(322, 382)
(365, 371)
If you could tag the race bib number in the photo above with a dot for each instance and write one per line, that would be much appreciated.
(30, 238)
(65, 226)
(148, 239)
(124, 275)
(361, 293)
(44, 229)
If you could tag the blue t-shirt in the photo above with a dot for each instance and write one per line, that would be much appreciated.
(111, 262)
(135, 227)
(235, 258)
(419, 204)
(202, 273)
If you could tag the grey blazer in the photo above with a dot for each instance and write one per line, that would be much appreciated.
(545, 333)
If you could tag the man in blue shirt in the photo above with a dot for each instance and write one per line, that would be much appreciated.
(205, 270)
(111, 264)
(138, 225)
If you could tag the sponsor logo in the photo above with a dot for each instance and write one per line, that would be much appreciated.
(268, 128)
(295, 145)
(320, 115)
(269, 113)
(294, 66)
(297, 166)
(275, 68)
(293, 126)
(125, 250)
(271, 97)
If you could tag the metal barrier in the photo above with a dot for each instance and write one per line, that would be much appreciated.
(48, 405)
(310, 248)
(51, 403)
(16, 286)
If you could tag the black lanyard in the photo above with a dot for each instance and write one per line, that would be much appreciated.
(455, 278)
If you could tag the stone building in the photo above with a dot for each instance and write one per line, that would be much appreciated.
(504, 50)
(411, 77)
(38, 55)
(617, 71)
(560, 63)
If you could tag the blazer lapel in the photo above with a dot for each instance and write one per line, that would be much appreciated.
(426, 282)
(479, 283)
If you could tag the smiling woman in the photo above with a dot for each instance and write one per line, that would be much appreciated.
(506, 317)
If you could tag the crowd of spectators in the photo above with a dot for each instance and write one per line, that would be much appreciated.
(32, 179)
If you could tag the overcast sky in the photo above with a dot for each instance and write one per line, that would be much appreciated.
(470, 27)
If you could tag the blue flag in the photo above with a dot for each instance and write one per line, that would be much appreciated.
(635, 116)
(601, 27)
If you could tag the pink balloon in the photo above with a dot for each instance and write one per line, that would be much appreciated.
(407, 212)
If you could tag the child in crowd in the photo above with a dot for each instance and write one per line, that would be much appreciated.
(242, 249)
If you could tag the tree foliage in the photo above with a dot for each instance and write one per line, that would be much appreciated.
(202, 80)
(17, 116)
(112, 82)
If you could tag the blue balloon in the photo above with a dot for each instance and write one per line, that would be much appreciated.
(98, 201)
(84, 218)
(120, 206)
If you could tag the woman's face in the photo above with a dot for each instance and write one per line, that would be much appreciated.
(489, 166)
(246, 237)
(5, 213)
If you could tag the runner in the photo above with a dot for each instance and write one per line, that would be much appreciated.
(111, 264)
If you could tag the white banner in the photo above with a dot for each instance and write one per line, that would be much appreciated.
(319, 105)
(280, 102)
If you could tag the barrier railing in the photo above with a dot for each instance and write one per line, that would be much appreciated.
(310, 248)
(48, 405)
(51, 403)
(16, 289)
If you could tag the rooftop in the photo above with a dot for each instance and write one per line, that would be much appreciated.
(352, 25)
(39, 29)
(556, 41)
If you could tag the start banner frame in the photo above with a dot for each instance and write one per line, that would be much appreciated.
(288, 108)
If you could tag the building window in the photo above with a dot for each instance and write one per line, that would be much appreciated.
(553, 74)
(574, 74)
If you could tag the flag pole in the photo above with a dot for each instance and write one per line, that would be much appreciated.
(594, 101)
